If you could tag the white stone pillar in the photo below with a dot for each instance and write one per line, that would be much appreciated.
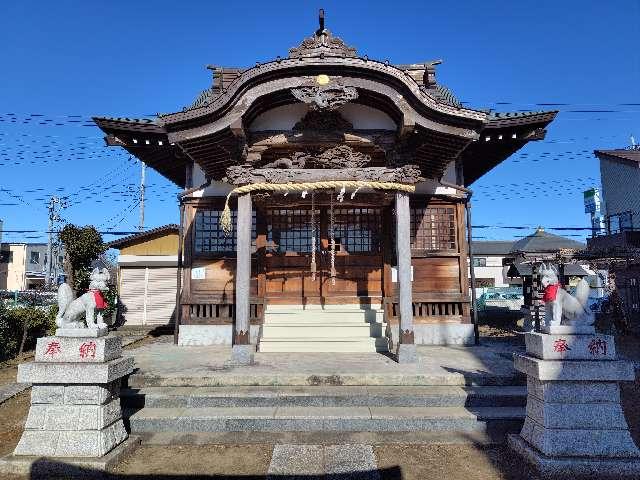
(575, 425)
(406, 352)
(242, 350)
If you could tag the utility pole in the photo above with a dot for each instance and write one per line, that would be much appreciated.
(142, 188)
(51, 267)
(52, 213)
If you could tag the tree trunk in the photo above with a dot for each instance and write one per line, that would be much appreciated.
(68, 270)
(25, 329)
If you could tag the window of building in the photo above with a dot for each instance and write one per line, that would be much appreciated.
(479, 262)
(485, 282)
(209, 238)
(358, 229)
(433, 228)
(6, 256)
(289, 230)
(35, 258)
(620, 222)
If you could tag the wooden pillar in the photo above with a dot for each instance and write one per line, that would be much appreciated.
(243, 270)
(242, 351)
(406, 348)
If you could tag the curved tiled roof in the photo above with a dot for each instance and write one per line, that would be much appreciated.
(541, 241)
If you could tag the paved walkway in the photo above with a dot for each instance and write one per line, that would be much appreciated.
(335, 461)
(161, 363)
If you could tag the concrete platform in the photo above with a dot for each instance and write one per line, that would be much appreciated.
(161, 363)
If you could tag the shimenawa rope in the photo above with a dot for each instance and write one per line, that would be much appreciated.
(225, 218)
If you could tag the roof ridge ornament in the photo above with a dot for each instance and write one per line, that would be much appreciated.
(322, 43)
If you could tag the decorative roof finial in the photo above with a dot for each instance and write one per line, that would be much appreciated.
(320, 21)
(322, 44)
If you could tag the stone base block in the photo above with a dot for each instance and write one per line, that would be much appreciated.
(242, 354)
(550, 467)
(74, 373)
(607, 416)
(573, 392)
(573, 442)
(82, 332)
(568, 329)
(406, 353)
(78, 349)
(38, 467)
(439, 334)
(73, 417)
(570, 347)
(563, 370)
(204, 335)
(82, 443)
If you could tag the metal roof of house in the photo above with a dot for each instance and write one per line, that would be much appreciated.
(620, 155)
(497, 247)
(143, 236)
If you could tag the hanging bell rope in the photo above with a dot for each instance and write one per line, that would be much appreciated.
(225, 218)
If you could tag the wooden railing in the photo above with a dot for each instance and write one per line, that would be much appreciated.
(208, 312)
(428, 308)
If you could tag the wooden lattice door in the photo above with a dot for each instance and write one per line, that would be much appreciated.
(288, 257)
(358, 258)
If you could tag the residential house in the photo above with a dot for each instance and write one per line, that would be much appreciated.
(147, 271)
(22, 265)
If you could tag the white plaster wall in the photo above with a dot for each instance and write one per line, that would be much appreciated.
(449, 174)
(363, 117)
(198, 177)
(621, 188)
(279, 118)
(433, 187)
(285, 117)
(494, 269)
(216, 189)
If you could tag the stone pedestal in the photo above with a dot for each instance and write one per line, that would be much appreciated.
(75, 398)
(575, 425)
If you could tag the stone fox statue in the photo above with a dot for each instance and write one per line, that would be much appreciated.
(561, 308)
(70, 311)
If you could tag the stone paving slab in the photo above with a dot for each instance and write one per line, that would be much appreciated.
(353, 461)
(10, 390)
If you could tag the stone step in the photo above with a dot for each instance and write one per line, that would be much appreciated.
(240, 378)
(323, 345)
(322, 308)
(336, 419)
(324, 316)
(397, 396)
(495, 435)
(309, 330)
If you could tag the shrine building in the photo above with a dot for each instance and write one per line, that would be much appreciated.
(325, 201)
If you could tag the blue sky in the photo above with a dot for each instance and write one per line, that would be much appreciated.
(73, 59)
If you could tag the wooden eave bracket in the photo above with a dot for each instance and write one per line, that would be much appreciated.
(113, 141)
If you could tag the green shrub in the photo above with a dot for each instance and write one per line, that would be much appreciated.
(21, 326)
